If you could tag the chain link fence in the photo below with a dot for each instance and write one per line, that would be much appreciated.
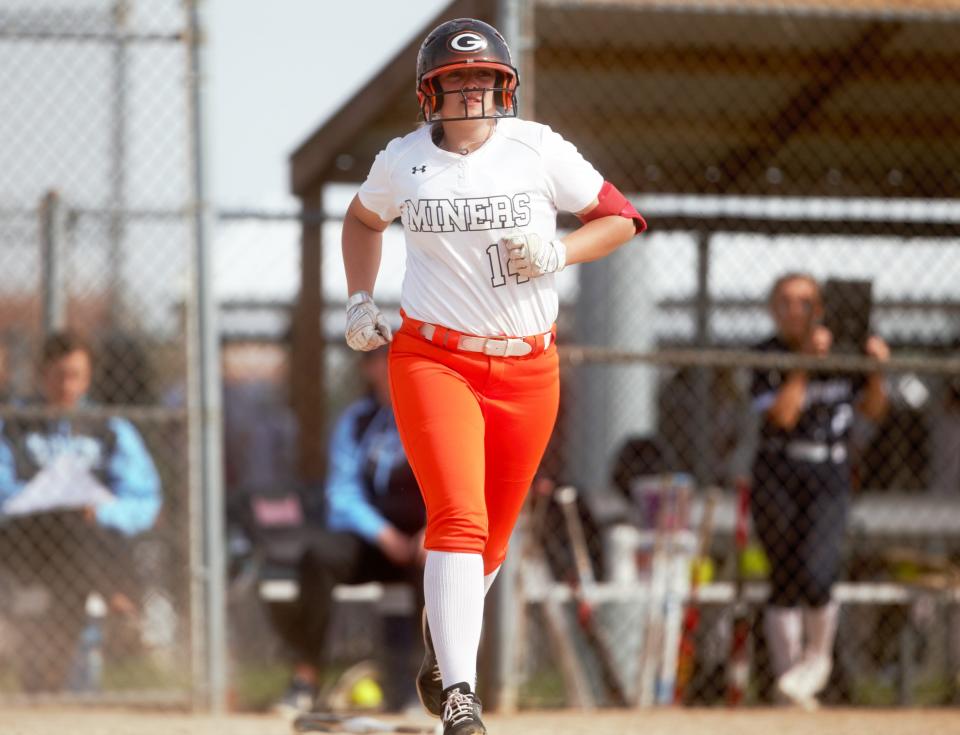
(759, 140)
(99, 522)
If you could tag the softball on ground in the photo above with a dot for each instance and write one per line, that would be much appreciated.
(366, 693)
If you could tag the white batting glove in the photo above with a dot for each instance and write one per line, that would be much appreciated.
(529, 255)
(367, 329)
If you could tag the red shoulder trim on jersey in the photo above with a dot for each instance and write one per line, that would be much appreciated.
(611, 202)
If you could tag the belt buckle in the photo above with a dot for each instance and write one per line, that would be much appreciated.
(506, 347)
(495, 347)
(807, 451)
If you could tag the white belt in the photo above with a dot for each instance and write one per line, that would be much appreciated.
(818, 452)
(493, 346)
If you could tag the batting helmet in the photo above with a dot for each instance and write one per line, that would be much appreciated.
(466, 43)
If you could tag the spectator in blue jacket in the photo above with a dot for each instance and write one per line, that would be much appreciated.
(58, 554)
(374, 533)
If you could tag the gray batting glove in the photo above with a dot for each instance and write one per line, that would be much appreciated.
(367, 329)
(529, 255)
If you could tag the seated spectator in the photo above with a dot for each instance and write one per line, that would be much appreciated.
(75, 487)
(374, 533)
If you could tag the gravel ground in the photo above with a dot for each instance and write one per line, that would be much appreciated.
(664, 722)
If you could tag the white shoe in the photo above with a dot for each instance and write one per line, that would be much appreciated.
(803, 681)
(299, 698)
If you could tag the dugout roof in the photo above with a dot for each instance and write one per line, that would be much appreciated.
(814, 98)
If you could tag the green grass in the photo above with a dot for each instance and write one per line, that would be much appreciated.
(544, 688)
(933, 691)
(930, 691)
(257, 687)
(139, 673)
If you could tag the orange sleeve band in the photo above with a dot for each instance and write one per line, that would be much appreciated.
(611, 202)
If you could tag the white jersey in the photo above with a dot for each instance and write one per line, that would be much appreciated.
(456, 208)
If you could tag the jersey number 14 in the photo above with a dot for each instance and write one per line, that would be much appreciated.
(499, 274)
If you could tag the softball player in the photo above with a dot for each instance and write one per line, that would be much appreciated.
(473, 370)
(801, 485)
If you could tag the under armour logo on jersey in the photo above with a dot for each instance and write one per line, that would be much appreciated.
(421, 169)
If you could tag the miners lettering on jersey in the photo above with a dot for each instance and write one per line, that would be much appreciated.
(454, 216)
(497, 212)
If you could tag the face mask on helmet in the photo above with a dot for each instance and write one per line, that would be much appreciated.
(466, 45)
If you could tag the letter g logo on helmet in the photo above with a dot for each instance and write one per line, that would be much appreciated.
(467, 42)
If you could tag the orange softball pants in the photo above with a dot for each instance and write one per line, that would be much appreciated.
(474, 428)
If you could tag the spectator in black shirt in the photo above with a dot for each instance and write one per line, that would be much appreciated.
(801, 483)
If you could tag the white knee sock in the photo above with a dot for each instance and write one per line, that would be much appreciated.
(807, 678)
(488, 580)
(453, 589)
(820, 624)
(783, 627)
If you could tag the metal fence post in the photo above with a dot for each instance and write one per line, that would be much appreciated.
(53, 236)
(208, 394)
(504, 682)
(507, 617)
(515, 21)
(118, 158)
(703, 460)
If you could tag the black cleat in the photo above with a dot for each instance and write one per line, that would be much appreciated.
(429, 681)
(461, 711)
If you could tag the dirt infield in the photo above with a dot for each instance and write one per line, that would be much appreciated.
(665, 722)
